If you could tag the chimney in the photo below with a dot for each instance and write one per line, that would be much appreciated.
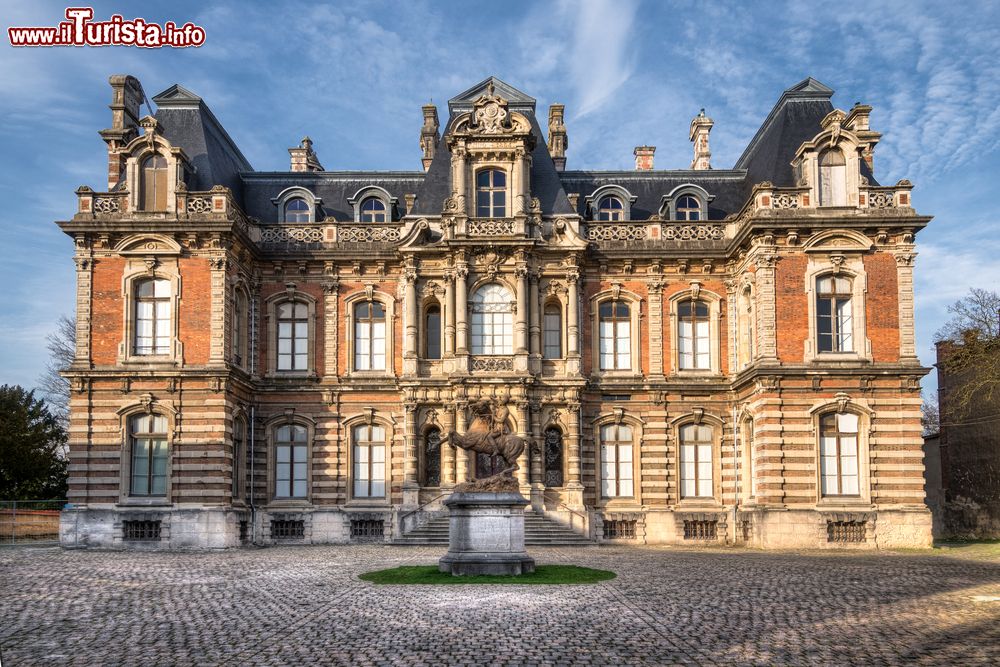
(644, 157)
(700, 128)
(858, 122)
(558, 140)
(303, 157)
(126, 98)
(429, 134)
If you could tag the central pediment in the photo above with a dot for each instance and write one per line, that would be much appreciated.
(516, 100)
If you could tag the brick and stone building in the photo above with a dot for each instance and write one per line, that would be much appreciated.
(696, 354)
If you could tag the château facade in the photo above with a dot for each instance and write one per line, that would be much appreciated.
(696, 355)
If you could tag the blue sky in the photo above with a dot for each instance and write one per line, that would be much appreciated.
(353, 77)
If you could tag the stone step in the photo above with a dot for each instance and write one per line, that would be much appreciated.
(538, 531)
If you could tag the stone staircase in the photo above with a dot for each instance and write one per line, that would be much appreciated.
(538, 532)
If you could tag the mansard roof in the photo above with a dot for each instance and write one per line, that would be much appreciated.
(516, 100)
(333, 187)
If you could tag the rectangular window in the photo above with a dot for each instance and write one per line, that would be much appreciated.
(293, 336)
(552, 325)
(432, 333)
(369, 337)
(149, 455)
(369, 461)
(615, 336)
(291, 462)
(838, 444)
(152, 317)
(694, 336)
(696, 461)
(616, 461)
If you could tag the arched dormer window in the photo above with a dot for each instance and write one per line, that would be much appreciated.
(373, 210)
(373, 205)
(153, 187)
(832, 178)
(610, 203)
(491, 194)
(687, 202)
(297, 205)
(688, 208)
(297, 210)
(610, 209)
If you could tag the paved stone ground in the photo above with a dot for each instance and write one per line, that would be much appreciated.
(305, 605)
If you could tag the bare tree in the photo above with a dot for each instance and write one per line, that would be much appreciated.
(930, 415)
(53, 386)
(978, 311)
(971, 358)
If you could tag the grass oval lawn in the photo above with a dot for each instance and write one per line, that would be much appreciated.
(543, 574)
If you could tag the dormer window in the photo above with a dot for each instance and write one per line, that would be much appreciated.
(686, 203)
(296, 210)
(491, 194)
(832, 179)
(688, 208)
(154, 183)
(373, 210)
(610, 209)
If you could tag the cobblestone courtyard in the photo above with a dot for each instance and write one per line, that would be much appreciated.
(305, 605)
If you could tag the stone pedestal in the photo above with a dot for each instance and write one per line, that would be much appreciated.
(486, 535)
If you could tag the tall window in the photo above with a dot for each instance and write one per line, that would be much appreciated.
(611, 209)
(491, 194)
(553, 457)
(432, 458)
(152, 317)
(293, 336)
(552, 331)
(432, 332)
(153, 190)
(694, 339)
(492, 320)
(373, 210)
(838, 445)
(616, 461)
(834, 321)
(296, 210)
(239, 442)
(291, 463)
(239, 326)
(369, 461)
(688, 208)
(751, 470)
(615, 333)
(369, 336)
(696, 461)
(148, 433)
(832, 179)
(745, 322)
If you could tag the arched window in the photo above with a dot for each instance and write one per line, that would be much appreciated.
(745, 325)
(688, 208)
(616, 461)
(694, 338)
(369, 461)
(369, 336)
(152, 317)
(148, 445)
(615, 333)
(553, 457)
(610, 208)
(696, 461)
(834, 320)
(296, 210)
(492, 320)
(432, 332)
(373, 210)
(432, 457)
(239, 442)
(153, 190)
(491, 194)
(838, 446)
(293, 336)
(832, 179)
(552, 331)
(239, 327)
(291, 472)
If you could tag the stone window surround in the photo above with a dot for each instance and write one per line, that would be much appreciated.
(133, 170)
(239, 288)
(700, 417)
(746, 326)
(593, 199)
(425, 304)
(617, 415)
(634, 302)
(297, 192)
(146, 405)
(563, 439)
(715, 313)
(137, 270)
(389, 303)
(369, 417)
(668, 203)
(240, 415)
(425, 429)
(554, 300)
(271, 313)
(748, 457)
(507, 168)
(843, 403)
(270, 429)
(379, 193)
(841, 263)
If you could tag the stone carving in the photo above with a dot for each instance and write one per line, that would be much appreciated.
(199, 205)
(784, 200)
(616, 232)
(108, 204)
(491, 227)
(367, 234)
(694, 232)
(489, 114)
(492, 364)
(286, 234)
(489, 434)
(881, 199)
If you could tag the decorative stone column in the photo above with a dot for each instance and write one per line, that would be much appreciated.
(461, 455)
(521, 320)
(766, 308)
(537, 447)
(523, 461)
(84, 288)
(904, 282)
(461, 323)
(573, 322)
(574, 458)
(449, 315)
(217, 316)
(331, 289)
(447, 451)
(655, 289)
(411, 487)
(409, 321)
(534, 325)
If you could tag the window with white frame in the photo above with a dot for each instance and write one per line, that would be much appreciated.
(615, 335)
(694, 335)
(610, 209)
(492, 320)
(616, 461)
(838, 445)
(291, 464)
(552, 331)
(834, 319)
(373, 210)
(369, 461)
(696, 461)
(293, 336)
(149, 455)
(296, 210)
(832, 179)
(491, 194)
(687, 207)
(369, 336)
(153, 330)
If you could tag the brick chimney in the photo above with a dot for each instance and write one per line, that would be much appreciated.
(126, 98)
(644, 157)
(429, 134)
(303, 157)
(558, 140)
(700, 128)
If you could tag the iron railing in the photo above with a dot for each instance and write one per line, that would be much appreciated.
(29, 521)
